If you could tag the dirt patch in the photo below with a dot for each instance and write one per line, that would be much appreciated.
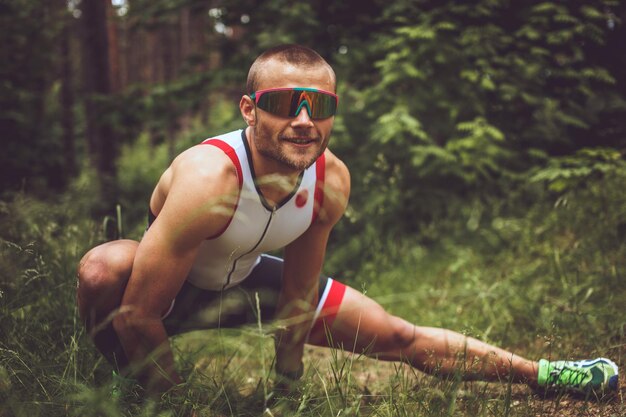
(374, 378)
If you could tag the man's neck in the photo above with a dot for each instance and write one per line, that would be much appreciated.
(273, 179)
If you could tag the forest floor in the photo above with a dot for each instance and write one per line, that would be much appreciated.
(368, 373)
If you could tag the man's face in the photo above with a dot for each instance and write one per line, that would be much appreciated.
(294, 143)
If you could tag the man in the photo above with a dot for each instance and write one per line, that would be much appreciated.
(222, 205)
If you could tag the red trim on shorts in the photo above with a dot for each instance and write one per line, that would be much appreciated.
(232, 154)
(320, 174)
(330, 308)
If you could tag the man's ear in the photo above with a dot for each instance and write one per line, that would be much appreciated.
(248, 110)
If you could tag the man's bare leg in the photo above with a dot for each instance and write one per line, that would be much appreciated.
(363, 326)
(102, 276)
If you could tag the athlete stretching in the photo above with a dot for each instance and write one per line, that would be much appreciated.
(224, 203)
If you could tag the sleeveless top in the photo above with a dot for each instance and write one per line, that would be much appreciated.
(226, 259)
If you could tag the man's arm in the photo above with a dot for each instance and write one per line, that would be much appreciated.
(201, 186)
(303, 263)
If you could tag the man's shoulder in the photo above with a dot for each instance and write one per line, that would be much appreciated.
(233, 137)
(200, 164)
(336, 187)
(336, 169)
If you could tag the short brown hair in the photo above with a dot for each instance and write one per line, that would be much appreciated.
(293, 54)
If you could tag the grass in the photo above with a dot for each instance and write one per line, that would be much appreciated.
(539, 284)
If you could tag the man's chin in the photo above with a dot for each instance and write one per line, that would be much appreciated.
(300, 157)
(299, 164)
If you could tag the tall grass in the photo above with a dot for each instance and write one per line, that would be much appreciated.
(541, 282)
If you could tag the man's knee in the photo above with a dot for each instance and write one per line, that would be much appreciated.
(399, 336)
(102, 275)
(94, 276)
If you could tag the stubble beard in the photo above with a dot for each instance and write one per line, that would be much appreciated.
(271, 149)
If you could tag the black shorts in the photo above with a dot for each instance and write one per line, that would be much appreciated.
(195, 308)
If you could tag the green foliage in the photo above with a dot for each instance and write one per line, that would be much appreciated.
(572, 172)
(40, 358)
(469, 98)
(472, 158)
(140, 166)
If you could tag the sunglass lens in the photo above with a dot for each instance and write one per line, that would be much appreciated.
(276, 102)
(289, 103)
(322, 105)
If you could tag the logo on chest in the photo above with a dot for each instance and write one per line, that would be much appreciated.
(302, 198)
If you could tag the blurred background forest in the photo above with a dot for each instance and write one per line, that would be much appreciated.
(440, 101)
(492, 131)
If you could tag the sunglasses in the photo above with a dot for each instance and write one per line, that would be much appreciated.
(287, 102)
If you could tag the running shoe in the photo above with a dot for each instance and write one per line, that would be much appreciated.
(598, 376)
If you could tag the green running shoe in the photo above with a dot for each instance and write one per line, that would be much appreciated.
(597, 376)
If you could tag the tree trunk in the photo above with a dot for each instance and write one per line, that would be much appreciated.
(185, 36)
(97, 88)
(169, 53)
(67, 102)
(113, 48)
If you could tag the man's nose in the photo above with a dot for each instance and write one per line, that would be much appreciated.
(302, 119)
